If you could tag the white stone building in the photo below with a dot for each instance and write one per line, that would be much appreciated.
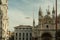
(3, 19)
(23, 32)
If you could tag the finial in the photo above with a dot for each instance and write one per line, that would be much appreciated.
(40, 12)
(53, 11)
(48, 12)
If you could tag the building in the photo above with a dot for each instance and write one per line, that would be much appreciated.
(46, 28)
(10, 35)
(23, 32)
(3, 19)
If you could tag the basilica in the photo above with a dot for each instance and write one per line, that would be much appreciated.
(46, 28)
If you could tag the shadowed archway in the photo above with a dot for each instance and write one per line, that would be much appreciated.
(46, 36)
(57, 35)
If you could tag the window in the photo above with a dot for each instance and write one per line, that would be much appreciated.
(0, 2)
(30, 39)
(30, 36)
(19, 38)
(16, 36)
(47, 26)
(19, 35)
(23, 38)
(23, 35)
(26, 36)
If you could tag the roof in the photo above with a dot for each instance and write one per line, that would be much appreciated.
(23, 26)
(47, 17)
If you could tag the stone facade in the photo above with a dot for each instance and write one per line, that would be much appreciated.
(23, 32)
(3, 19)
(46, 28)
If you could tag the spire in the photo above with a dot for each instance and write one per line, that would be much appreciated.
(53, 11)
(33, 20)
(48, 12)
(40, 16)
(40, 12)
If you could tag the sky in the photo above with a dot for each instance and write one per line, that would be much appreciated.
(18, 10)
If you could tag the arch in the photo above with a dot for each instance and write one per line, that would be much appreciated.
(46, 36)
(57, 35)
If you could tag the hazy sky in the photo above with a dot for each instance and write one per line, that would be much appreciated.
(18, 10)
